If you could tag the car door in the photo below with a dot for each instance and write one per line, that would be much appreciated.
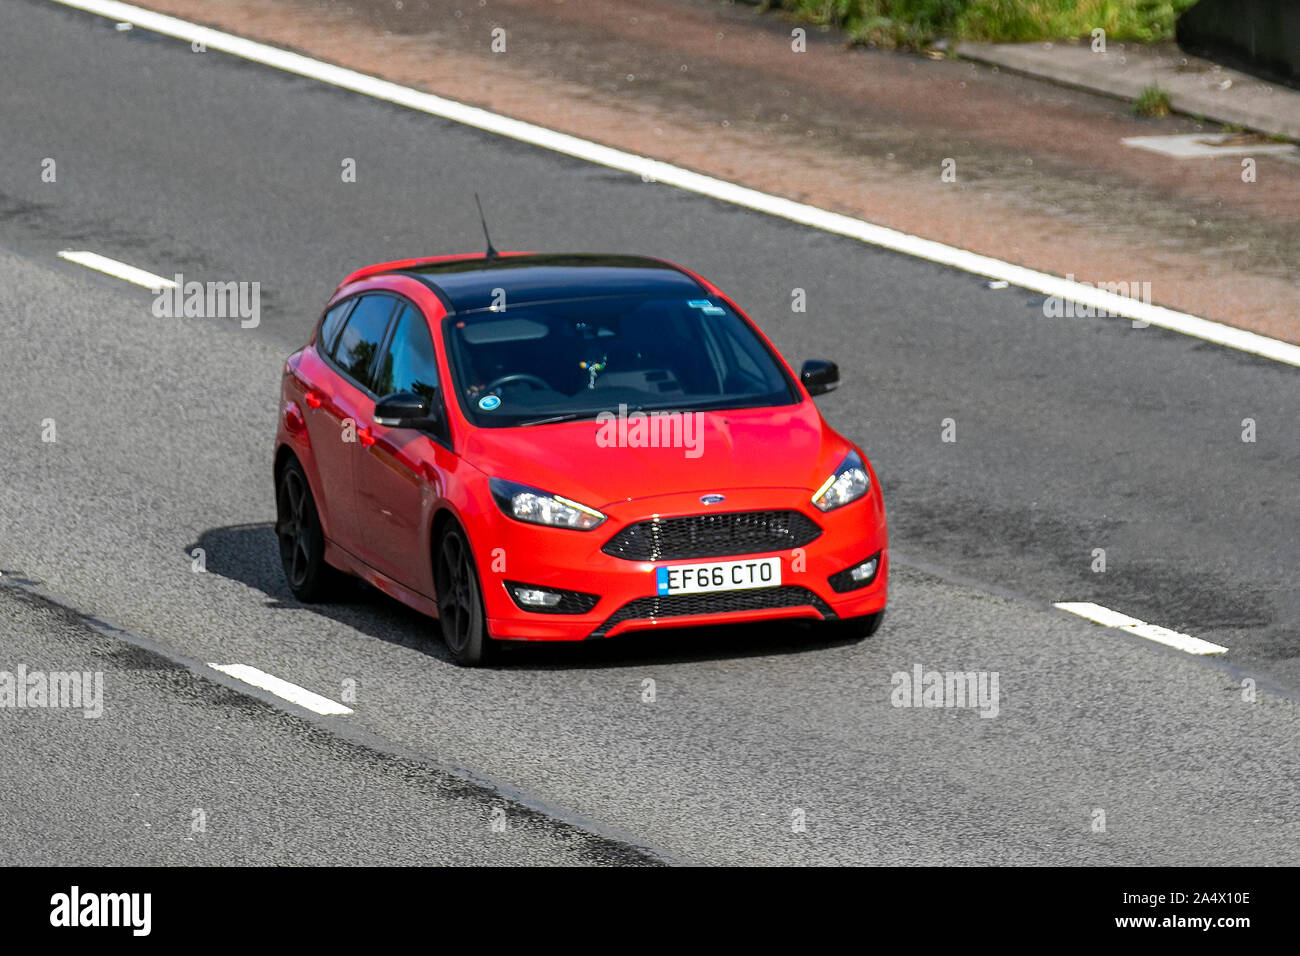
(399, 472)
(339, 403)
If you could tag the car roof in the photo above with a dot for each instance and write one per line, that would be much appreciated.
(469, 285)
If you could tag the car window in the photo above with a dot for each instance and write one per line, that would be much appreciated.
(409, 365)
(742, 355)
(573, 358)
(359, 342)
(329, 326)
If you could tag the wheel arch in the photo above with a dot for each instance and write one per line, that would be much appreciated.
(445, 516)
(283, 455)
(286, 453)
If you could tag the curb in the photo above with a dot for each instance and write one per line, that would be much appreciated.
(1020, 58)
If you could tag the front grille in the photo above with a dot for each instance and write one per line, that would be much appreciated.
(719, 602)
(713, 535)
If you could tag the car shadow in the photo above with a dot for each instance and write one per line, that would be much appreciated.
(249, 554)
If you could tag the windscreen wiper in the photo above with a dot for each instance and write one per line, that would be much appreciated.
(566, 417)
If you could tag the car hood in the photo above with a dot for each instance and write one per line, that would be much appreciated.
(597, 464)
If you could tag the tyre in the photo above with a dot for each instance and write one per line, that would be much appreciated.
(850, 628)
(302, 541)
(460, 601)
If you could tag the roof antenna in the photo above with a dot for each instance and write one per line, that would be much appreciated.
(491, 253)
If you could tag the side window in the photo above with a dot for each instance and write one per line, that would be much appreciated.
(329, 326)
(359, 342)
(409, 365)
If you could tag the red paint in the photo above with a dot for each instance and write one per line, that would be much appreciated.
(293, 419)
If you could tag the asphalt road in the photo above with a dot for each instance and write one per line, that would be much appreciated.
(1072, 435)
(179, 770)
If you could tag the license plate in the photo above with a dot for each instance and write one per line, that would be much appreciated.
(718, 576)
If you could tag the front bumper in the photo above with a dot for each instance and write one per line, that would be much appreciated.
(573, 561)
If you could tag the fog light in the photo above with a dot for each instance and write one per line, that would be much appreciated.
(532, 597)
(864, 571)
(856, 576)
(539, 600)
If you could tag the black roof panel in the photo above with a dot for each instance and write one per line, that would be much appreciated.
(468, 284)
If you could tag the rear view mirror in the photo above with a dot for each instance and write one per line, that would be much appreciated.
(403, 410)
(820, 376)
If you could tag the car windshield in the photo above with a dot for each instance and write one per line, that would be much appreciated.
(563, 360)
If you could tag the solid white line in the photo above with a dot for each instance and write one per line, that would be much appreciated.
(1152, 632)
(93, 260)
(282, 688)
(669, 174)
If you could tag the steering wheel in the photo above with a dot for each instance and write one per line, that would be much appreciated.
(532, 380)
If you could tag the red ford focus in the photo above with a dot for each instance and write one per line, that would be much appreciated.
(565, 448)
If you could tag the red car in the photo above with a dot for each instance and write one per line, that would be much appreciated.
(565, 448)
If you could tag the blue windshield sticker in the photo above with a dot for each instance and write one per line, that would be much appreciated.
(707, 307)
(489, 403)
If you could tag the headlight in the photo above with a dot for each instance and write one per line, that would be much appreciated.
(541, 507)
(849, 483)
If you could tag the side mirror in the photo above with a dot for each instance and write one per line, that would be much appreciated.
(403, 410)
(820, 376)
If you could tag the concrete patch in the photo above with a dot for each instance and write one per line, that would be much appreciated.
(1199, 146)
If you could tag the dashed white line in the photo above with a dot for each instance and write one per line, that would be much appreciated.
(93, 260)
(282, 688)
(1108, 302)
(1152, 632)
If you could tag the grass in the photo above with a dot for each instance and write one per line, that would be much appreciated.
(1152, 101)
(913, 24)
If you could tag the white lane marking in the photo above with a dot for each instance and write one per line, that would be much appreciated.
(93, 260)
(1152, 632)
(1102, 615)
(282, 688)
(671, 175)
